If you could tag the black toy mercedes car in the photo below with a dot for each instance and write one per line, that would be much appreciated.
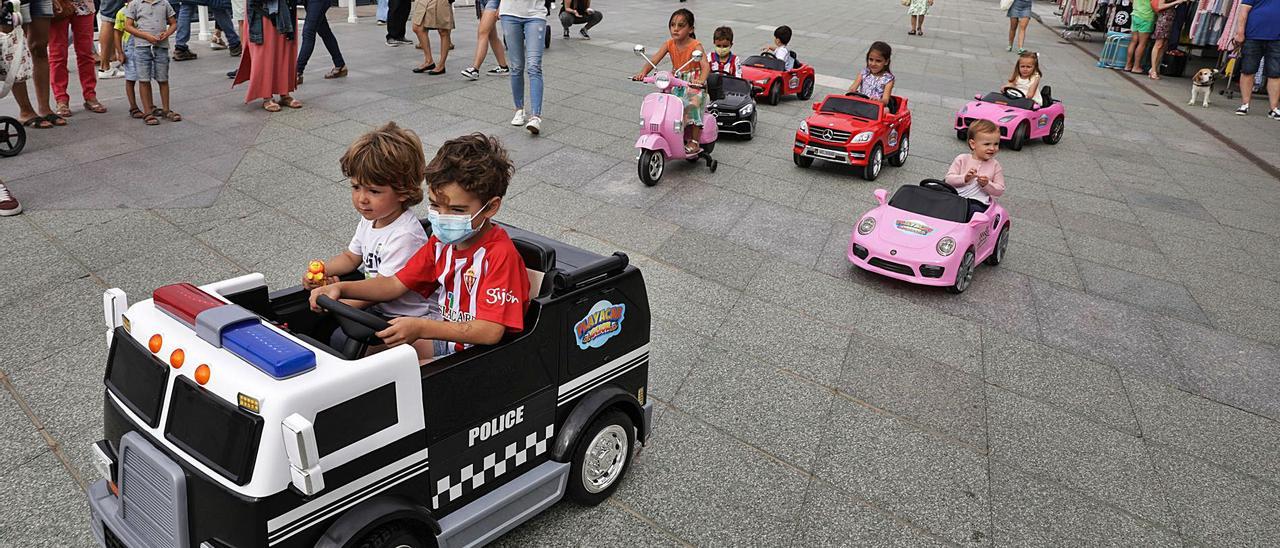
(732, 105)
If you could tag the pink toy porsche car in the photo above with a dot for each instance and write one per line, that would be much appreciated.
(1018, 117)
(926, 235)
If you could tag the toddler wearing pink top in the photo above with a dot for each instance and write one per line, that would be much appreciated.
(977, 175)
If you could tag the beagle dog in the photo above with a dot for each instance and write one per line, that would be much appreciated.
(1202, 82)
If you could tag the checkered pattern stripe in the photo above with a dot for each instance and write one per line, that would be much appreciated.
(514, 455)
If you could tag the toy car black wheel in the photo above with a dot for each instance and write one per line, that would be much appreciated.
(875, 161)
(900, 157)
(1002, 246)
(13, 137)
(396, 534)
(651, 165)
(1019, 136)
(964, 274)
(713, 165)
(962, 134)
(801, 160)
(602, 458)
(1055, 131)
(775, 93)
(806, 90)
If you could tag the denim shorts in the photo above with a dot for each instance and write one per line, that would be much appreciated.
(1254, 51)
(37, 9)
(150, 62)
(1019, 9)
(488, 5)
(130, 66)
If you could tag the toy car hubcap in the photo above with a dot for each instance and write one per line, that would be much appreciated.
(655, 166)
(906, 147)
(604, 459)
(1002, 245)
(1057, 129)
(965, 275)
(875, 162)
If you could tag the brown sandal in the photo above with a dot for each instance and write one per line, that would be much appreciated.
(151, 120)
(290, 102)
(63, 110)
(271, 106)
(136, 113)
(336, 72)
(172, 116)
(95, 107)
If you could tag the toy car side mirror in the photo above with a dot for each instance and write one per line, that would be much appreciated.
(304, 456)
(817, 106)
(639, 49)
(697, 56)
(979, 218)
(881, 195)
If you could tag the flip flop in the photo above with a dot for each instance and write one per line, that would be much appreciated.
(37, 122)
(54, 119)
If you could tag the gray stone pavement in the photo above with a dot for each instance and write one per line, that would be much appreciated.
(1113, 383)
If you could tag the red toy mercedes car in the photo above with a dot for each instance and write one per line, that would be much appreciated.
(769, 77)
(854, 130)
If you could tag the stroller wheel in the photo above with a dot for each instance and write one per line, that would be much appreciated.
(12, 136)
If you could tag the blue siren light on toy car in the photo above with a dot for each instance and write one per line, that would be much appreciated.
(235, 329)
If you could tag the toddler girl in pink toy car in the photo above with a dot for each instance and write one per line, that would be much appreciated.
(680, 48)
(876, 80)
(1026, 76)
(978, 176)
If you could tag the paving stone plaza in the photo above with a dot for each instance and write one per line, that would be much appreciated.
(1116, 381)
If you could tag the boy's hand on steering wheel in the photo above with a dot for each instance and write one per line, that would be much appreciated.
(330, 291)
(403, 330)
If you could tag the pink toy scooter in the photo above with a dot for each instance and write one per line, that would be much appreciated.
(662, 131)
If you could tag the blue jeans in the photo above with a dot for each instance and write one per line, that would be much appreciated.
(317, 21)
(187, 12)
(524, 53)
(383, 6)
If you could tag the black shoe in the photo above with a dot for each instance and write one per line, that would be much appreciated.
(184, 55)
(299, 78)
(584, 34)
(566, 33)
(231, 74)
(235, 50)
(420, 70)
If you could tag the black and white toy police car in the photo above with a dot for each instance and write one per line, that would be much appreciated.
(228, 424)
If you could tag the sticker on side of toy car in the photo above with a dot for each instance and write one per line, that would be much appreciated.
(910, 226)
(1043, 121)
(601, 323)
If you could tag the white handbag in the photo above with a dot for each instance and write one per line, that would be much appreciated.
(1005, 5)
(15, 57)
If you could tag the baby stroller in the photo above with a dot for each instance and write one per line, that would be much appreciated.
(15, 64)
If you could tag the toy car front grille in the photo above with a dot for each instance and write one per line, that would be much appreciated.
(969, 121)
(830, 135)
(110, 539)
(827, 147)
(150, 495)
(891, 266)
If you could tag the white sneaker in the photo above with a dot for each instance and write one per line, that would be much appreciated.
(1274, 114)
(111, 73)
(1243, 110)
(471, 73)
(500, 71)
(534, 125)
(519, 119)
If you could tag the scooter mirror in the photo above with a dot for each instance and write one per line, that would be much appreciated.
(697, 56)
(639, 49)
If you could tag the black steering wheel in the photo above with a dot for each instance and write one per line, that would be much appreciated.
(1013, 93)
(856, 94)
(938, 185)
(358, 325)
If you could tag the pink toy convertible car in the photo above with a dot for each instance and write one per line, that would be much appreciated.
(1018, 117)
(926, 235)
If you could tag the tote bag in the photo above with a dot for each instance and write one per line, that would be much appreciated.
(15, 58)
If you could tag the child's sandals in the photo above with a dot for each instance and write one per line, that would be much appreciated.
(172, 116)
(135, 113)
(151, 119)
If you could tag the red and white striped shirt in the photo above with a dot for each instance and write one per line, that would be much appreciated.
(487, 281)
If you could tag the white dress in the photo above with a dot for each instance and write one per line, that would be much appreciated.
(1024, 85)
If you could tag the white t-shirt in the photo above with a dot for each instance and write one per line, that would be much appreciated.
(384, 251)
(528, 9)
(783, 54)
(1024, 85)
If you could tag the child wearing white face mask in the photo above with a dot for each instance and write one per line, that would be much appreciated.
(482, 282)
(723, 60)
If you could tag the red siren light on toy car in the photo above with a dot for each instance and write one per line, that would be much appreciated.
(234, 329)
(202, 374)
(177, 358)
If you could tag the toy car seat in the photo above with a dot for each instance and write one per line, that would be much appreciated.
(538, 260)
(715, 86)
(1046, 95)
(795, 61)
(932, 201)
(894, 103)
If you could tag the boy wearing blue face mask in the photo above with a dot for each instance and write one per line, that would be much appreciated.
(481, 280)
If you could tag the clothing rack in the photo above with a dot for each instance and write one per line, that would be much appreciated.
(1077, 15)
